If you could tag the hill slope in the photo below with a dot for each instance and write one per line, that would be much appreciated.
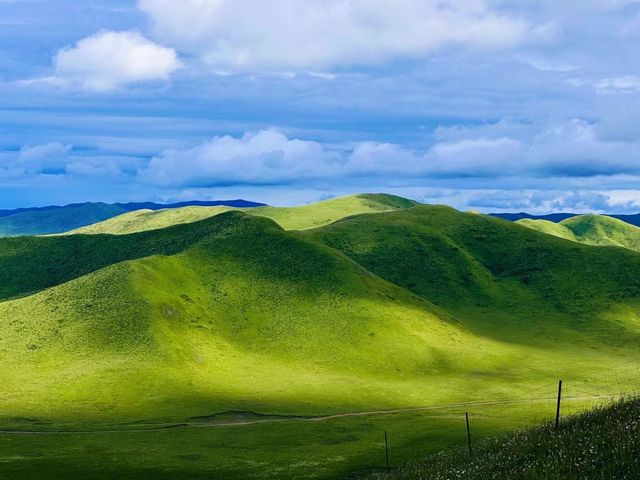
(405, 308)
(503, 280)
(290, 218)
(54, 219)
(591, 230)
(601, 444)
(217, 316)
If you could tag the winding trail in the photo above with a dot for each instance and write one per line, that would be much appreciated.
(281, 419)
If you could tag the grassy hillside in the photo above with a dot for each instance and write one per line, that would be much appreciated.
(591, 230)
(293, 218)
(460, 260)
(601, 444)
(145, 219)
(237, 308)
(397, 309)
(55, 220)
(550, 228)
(218, 314)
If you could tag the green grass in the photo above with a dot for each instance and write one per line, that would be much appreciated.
(290, 218)
(591, 230)
(56, 220)
(287, 450)
(599, 444)
(390, 310)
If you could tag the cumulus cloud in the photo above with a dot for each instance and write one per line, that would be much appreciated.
(61, 160)
(258, 158)
(109, 60)
(232, 35)
(564, 150)
(47, 158)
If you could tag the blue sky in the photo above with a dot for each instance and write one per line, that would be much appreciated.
(491, 105)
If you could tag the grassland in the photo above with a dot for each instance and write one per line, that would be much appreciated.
(399, 309)
(289, 218)
(284, 450)
(599, 444)
(591, 230)
(59, 219)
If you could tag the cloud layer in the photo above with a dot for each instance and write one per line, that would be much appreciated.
(506, 150)
(477, 103)
(232, 35)
(109, 60)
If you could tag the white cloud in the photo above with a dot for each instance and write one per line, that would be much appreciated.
(258, 158)
(109, 60)
(61, 160)
(232, 35)
(625, 84)
(539, 151)
(47, 158)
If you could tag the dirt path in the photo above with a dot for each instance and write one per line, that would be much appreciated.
(280, 419)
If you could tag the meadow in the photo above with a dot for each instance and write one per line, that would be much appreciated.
(282, 449)
(214, 345)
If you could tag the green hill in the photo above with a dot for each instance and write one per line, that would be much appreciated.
(290, 218)
(381, 311)
(601, 444)
(58, 219)
(216, 314)
(459, 260)
(591, 230)
(550, 228)
(55, 220)
(142, 220)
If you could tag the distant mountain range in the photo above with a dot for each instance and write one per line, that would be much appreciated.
(559, 217)
(58, 219)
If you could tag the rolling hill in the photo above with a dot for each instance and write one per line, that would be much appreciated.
(290, 218)
(633, 219)
(402, 308)
(199, 318)
(55, 219)
(591, 230)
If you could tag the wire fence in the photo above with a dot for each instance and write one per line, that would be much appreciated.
(535, 405)
(330, 446)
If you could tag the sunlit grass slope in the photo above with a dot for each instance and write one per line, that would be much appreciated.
(329, 211)
(600, 444)
(591, 230)
(143, 220)
(45, 221)
(290, 218)
(549, 227)
(411, 307)
(231, 313)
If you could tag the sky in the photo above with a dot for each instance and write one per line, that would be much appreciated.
(487, 105)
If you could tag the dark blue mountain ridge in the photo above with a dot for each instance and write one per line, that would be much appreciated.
(130, 206)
